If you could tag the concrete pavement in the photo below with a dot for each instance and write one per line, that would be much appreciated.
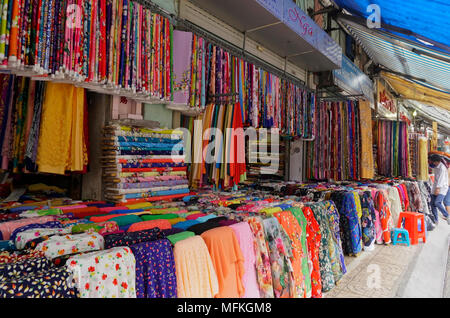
(398, 271)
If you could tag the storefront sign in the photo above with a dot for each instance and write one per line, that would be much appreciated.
(299, 22)
(351, 79)
(304, 26)
(274, 6)
(385, 99)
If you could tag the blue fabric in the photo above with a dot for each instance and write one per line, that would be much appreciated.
(23, 208)
(126, 211)
(124, 227)
(428, 19)
(284, 206)
(185, 224)
(7, 246)
(206, 218)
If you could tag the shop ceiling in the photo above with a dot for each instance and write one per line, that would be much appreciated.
(282, 27)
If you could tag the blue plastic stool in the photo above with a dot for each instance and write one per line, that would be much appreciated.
(400, 236)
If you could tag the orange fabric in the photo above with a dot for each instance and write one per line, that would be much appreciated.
(146, 225)
(291, 226)
(227, 259)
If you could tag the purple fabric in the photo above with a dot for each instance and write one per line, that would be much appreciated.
(182, 51)
(172, 231)
(142, 185)
(155, 270)
(228, 222)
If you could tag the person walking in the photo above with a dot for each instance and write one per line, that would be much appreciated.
(447, 197)
(440, 187)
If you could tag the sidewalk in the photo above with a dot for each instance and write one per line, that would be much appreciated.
(397, 271)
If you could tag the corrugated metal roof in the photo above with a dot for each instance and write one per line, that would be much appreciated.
(403, 56)
(424, 19)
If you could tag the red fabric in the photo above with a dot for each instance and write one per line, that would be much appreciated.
(111, 209)
(313, 241)
(83, 212)
(195, 216)
(104, 218)
(237, 165)
(146, 225)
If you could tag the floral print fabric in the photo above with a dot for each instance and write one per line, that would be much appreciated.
(50, 283)
(314, 237)
(298, 214)
(29, 235)
(368, 219)
(280, 254)
(70, 244)
(329, 265)
(155, 270)
(263, 269)
(24, 268)
(333, 218)
(104, 274)
(294, 231)
(132, 238)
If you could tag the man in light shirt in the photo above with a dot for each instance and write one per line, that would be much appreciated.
(440, 187)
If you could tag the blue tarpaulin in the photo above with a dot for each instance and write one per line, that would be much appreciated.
(427, 20)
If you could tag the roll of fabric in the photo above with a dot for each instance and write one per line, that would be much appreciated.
(228, 261)
(155, 269)
(192, 252)
(145, 225)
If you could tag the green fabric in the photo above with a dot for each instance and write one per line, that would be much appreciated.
(80, 228)
(159, 217)
(298, 214)
(45, 212)
(180, 236)
(126, 219)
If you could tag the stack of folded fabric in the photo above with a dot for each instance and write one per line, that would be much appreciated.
(142, 163)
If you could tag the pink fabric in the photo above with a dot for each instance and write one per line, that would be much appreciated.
(71, 207)
(195, 216)
(146, 225)
(104, 218)
(246, 239)
(110, 209)
(8, 227)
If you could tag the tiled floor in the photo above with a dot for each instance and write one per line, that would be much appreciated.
(374, 274)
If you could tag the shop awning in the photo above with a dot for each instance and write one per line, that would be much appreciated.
(282, 27)
(416, 20)
(415, 91)
(425, 66)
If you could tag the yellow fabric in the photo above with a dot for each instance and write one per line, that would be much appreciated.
(176, 220)
(43, 187)
(423, 160)
(270, 211)
(365, 115)
(61, 144)
(143, 205)
(411, 90)
(196, 276)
